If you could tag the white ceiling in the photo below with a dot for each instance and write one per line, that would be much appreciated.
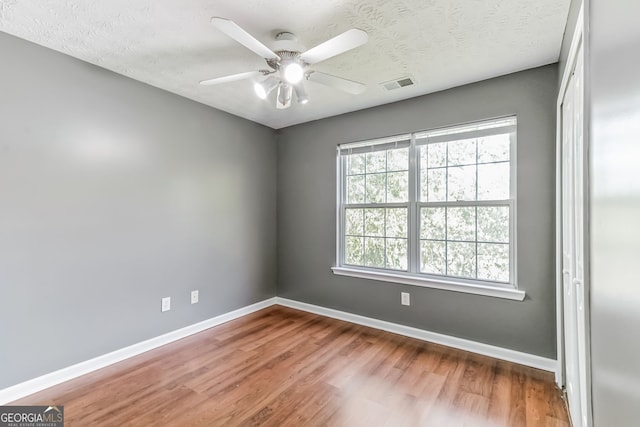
(172, 45)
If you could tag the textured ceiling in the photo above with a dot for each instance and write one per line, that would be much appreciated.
(172, 45)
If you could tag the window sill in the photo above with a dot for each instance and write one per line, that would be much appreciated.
(490, 291)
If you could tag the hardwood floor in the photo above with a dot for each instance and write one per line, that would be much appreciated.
(283, 367)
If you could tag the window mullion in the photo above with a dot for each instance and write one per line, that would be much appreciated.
(476, 214)
(446, 210)
(413, 227)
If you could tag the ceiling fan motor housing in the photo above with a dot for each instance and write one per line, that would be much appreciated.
(286, 56)
(287, 41)
(290, 66)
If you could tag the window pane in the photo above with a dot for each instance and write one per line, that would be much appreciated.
(432, 257)
(494, 148)
(397, 254)
(461, 223)
(422, 151)
(374, 252)
(424, 186)
(374, 222)
(462, 183)
(396, 222)
(355, 222)
(432, 225)
(461, 259)
(461, 152)
(493, 181)
(493, 224)
(355, 164)
(376, 161)
(355, 189)
(376, 184)
(397, 187)
(354, 250)
(436, 185)
(398, 159)
(493, 262)
(435, 155)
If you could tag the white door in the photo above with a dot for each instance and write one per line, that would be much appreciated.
(573, 244)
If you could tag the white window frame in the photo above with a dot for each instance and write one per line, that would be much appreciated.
(412, 276)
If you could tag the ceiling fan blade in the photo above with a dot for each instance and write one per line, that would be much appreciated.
(339, 44)
(231, 78)
(345, 85)
(234, 31)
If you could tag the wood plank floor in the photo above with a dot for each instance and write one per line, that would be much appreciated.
(283, 367)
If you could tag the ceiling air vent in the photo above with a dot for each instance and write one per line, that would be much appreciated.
(398, 83)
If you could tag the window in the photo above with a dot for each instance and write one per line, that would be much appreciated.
(433, 207)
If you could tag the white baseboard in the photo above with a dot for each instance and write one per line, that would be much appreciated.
(449, 341)
(26, 388)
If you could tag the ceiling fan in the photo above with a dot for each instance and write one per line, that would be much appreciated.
(288, 67)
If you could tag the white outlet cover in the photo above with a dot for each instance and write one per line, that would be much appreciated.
(405, 298)
(194, 297)
(166, 304)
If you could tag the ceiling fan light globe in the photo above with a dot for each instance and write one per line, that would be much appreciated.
(264, 88)
(293, 73)
(301, 94)
(283, 100)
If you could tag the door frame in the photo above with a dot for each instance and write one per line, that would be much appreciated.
(577, 40)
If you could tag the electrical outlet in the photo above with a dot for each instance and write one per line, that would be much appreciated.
(405, 298)
(166, 304)
(194, 297)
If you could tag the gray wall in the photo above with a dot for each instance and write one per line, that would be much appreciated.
(306, 214)
(615, 208)
(114, 194)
